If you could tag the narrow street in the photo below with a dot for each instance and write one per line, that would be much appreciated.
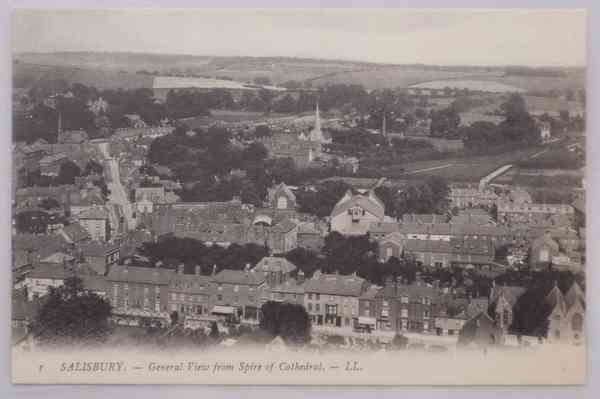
(118, 194)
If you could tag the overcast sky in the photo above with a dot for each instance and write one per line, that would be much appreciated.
(445, 37)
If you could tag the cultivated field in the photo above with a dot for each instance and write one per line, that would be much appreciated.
(468, 169)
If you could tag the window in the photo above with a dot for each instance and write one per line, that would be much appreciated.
(310, 297)
(173, 296)
(317, 297)
(404, 313)
(219, 297)
(404, 299)
(310, 307)
(317, 307)
(367, 312)
(236, 288)
(577, 322)
(331, 309)
(220, 287)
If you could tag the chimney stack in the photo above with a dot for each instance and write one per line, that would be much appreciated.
(197, 270)
(214, 269)
(180, 268)
(300, 277)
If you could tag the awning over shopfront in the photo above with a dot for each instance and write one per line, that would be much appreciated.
(223, 310)
(370, 321)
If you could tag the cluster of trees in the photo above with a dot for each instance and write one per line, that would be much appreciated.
(71, 314)
(67, 174)
(347, 255)
(203, 160)
(173, 251)
(286, 320)
(428, 196)
(36, 222)
(518, 127)
(322, 199)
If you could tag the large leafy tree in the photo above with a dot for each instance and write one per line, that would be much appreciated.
(70, 313)
(289, 321)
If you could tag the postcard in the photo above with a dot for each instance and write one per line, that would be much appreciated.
(298, 196)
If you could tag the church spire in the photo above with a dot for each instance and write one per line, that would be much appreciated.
(316, 134)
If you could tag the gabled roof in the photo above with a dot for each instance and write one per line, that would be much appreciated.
(75, 233)
(556, 299)
(282, 187)
(275, 264)
(510, 293)
(574, 294)
(395, 237)
(335, 284)
(369, 203)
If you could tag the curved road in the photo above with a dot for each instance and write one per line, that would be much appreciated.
(118, 194)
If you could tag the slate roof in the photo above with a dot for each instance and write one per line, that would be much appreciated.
(418, 228)
(94, 213)
(97, 249)
(52, 158)
(143, 275)
(383, 227)
(58, 258)
(413, 291)
(240, 277)
(291, 286)
(285, 226)
(41, 244)
(426, 218)
(190, 283)
(274, 264)
(335, 284)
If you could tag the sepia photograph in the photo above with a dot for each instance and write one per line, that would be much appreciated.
(298, 196)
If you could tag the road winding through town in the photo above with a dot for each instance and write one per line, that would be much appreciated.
(118, 194)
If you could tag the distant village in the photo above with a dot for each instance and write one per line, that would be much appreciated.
(467, 270)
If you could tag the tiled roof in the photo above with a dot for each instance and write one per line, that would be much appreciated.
(147, 275)
(366, 202)
(335, 284)
(274, 264)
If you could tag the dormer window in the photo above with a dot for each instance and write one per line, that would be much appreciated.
(356, 212)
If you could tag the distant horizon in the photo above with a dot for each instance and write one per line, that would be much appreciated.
(443, 37)
(355, 61)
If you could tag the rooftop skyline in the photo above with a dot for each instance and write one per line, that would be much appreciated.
(395, 36)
